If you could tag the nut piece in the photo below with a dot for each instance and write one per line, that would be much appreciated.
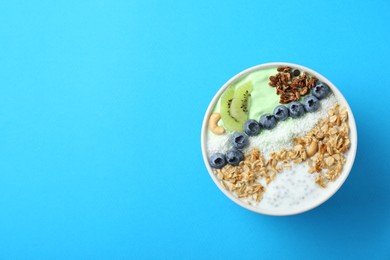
(312, 148)
(329, 161)
(213, 124)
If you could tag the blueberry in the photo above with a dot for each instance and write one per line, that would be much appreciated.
(267, 121)
(217, 160)
(295, 72)
(296, 109)
(281, 113)
(311, 103)
(251, 127)
(234, 157)
(239, 140)
(320, 90)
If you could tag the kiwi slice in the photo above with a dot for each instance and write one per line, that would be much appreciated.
(241, 101)
(229, 122)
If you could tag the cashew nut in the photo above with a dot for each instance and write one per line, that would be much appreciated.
(213, 124)
(312, 148)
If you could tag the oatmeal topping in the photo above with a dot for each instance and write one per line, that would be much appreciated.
(322, 148)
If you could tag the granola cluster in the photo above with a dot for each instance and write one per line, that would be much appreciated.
(322, 148)
(242, 180)
(332, 134)
(291, 85)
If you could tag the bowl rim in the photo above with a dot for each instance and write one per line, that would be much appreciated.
(346, 169)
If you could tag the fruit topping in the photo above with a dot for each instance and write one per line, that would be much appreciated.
(295, 72)
(229, 122)
(281, 113)
(252, 127)
(239, 140)
(296, 109)
(311, 104)
(267, 121)
(217, 160)
(241, 101)
(320, 90)
(234, 157)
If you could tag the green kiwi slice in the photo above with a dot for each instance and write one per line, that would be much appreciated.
(241, 100)
(229, 122)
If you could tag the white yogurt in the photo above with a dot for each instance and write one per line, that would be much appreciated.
(293, 188)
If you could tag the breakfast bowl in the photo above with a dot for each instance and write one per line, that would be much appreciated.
(279, 139)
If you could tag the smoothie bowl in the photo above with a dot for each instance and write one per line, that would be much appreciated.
(279, 139)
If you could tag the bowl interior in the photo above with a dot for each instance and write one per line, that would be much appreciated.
(331, 189)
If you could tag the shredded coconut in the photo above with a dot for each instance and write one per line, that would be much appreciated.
(218, 143)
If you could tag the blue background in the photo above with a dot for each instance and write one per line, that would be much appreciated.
(101, 105)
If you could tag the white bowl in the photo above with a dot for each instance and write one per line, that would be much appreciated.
(331, 190)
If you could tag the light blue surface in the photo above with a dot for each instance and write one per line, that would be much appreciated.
(101, 105)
